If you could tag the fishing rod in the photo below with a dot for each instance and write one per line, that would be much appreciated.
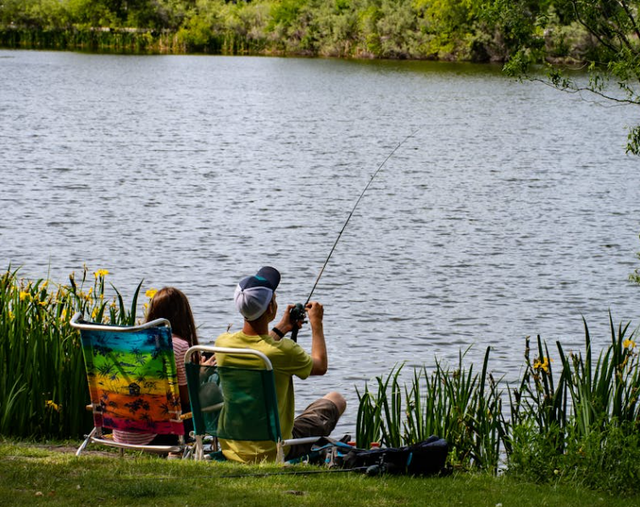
(298, 311)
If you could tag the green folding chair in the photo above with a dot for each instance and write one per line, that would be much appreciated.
(235, 403)
(133, 382)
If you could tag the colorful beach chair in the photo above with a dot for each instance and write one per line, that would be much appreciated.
(235, 403)
(133, 383)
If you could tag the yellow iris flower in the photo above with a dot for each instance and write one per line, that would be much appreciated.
(101, 273)
(150, 293)
(53, 405)
(628, 344)
(542, 365)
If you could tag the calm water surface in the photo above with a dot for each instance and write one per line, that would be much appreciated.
(513, 210)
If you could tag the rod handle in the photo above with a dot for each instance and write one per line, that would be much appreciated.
(297, 315)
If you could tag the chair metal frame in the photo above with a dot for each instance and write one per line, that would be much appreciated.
(96, 436)
(280, 443)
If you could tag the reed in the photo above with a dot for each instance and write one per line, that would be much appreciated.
(584, 428)
(43, 387)
(458, 405)
(587, 395)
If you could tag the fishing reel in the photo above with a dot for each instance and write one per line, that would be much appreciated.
(297, 314)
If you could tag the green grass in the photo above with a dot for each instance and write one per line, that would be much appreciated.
(34, 475)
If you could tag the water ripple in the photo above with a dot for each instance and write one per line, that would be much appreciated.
(512, 212)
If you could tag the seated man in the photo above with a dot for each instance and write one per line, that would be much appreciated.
(255, 299)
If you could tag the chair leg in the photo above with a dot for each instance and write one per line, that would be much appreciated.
(279, 453)
(199, 452)
(186, 452)
(86, 441)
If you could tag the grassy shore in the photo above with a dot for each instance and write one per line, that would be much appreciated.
(37, 474)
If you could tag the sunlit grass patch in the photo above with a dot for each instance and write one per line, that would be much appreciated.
(63, 480)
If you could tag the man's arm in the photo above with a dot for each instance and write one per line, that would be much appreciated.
(315, 312)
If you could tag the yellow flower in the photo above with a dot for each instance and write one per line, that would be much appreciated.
(542, 365)
(94, 313)
(63, 315)
(150, 293)
(628, 344)
(101, 273)
(11, 315)
(53, 405)
(24, 295)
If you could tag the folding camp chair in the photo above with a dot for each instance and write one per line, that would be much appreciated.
(133, 383)
(235, 403)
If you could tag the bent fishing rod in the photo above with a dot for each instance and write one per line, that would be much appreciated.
(298, 311)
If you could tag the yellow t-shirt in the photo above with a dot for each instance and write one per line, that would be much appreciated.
(288, 359)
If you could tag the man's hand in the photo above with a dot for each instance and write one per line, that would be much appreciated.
(315, 312)
(286, 325)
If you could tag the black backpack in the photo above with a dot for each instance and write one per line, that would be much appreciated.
(424, 458)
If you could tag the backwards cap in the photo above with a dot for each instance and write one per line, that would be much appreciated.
(254, 293)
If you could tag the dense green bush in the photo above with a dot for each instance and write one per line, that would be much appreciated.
(475, 30)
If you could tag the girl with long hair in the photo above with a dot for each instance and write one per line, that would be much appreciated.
(171, 304)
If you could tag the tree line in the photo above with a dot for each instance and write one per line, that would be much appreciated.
(453, 30)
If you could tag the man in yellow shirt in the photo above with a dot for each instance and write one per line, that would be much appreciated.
(255, 299)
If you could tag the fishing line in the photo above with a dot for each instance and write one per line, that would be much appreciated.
(297, 313)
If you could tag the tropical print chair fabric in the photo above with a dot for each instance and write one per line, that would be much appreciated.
(133, 381)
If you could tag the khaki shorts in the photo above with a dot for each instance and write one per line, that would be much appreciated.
(318, 419)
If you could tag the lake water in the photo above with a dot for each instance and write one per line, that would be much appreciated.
(512, 211)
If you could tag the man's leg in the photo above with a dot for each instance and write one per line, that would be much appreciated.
(339, 401)
(318, 419)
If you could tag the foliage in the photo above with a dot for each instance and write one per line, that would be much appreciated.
(635, 276)
(442, 29)
(43, 387)
(521, 32)
(606, 459)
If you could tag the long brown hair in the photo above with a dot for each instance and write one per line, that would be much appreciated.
(171, 304)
